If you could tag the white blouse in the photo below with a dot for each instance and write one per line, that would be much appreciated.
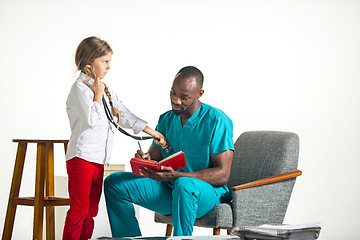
(91, 133)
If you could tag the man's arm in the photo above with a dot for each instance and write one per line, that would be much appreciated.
(217, 175)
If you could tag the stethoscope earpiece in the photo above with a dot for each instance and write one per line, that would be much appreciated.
(93, 69)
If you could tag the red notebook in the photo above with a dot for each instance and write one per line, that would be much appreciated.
(176, 161)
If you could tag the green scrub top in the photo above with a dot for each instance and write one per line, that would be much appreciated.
(208, 132)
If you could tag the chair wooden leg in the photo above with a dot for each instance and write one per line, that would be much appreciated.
(39, 192)
(169, 229)
(14, 191)
(216, 231)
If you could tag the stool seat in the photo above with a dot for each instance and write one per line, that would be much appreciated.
(44, 188)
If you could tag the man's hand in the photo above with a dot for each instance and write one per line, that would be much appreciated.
(166, 174)
(142, 155)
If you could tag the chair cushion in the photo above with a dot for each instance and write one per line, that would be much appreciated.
(220, 216)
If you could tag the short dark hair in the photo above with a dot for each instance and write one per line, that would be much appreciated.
(191, 71)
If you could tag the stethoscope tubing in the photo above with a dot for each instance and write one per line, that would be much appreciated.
(111, 119)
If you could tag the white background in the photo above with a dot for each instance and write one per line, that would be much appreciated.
(270, 65)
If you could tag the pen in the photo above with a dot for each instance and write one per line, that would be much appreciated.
(140, 148)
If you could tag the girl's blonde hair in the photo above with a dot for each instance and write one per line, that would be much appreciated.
(88, 50)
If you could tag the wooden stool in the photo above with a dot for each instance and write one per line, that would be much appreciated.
(44, 179)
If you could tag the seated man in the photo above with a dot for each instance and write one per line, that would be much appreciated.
(205, 135)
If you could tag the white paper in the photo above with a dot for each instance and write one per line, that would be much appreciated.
(292, 226)
(272, 229)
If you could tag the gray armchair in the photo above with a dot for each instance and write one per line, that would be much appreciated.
(262, 177)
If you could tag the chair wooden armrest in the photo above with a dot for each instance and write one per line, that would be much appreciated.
(275, 178)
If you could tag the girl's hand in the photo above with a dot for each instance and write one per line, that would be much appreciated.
(163, 143)
(99, 88)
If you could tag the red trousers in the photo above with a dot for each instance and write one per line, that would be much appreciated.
(84, 186)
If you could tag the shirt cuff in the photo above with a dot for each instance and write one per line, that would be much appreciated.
(139, 125)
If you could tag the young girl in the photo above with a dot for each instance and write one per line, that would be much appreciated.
(91, 138)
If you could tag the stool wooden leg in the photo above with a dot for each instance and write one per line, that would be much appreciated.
(49, 183)
(39, 191)
(14, 191)
(65, 147)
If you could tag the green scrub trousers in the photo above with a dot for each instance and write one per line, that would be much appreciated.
(186, 199)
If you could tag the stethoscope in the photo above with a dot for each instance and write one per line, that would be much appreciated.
(111, 119)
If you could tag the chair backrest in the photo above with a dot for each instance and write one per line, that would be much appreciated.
(261, 154)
